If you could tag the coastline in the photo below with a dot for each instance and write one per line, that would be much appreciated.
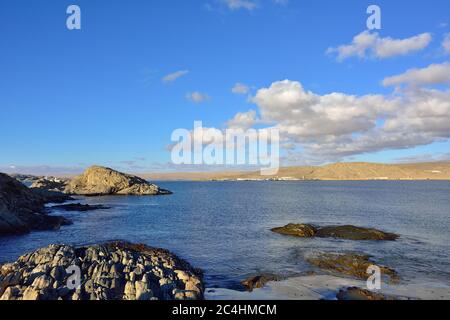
(326, 287)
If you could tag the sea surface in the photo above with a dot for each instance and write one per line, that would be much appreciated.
(224, 227)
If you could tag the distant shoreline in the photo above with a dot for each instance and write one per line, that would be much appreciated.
(350, 171)
(357, 171)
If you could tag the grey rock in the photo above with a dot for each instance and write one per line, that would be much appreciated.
(22, 210)
(42, 275)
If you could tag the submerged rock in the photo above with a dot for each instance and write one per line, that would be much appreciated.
(97, 181)
(259, 281)
(350, 264)
(80, 207)
(355, 293)
(22, 210)
(342, 232)
(112, 271)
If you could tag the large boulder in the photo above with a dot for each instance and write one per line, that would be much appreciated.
(341, 232)
(111, 271)
(22, 210)
(98, 181)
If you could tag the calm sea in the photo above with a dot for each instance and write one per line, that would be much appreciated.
(224, 227)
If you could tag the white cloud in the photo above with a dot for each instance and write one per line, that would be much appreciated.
(249, 5)
(333, 126)
(197, 97)
(431, 75)
(243, 120)
(368, 44)
(446, 43)
(240, 88)
(174, 76)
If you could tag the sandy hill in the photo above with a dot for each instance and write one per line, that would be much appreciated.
(337, 171)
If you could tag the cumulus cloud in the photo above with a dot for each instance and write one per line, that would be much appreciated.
(240, 88)
(370, 45)
(174, 76)
(333, 126)
(431, 75)
(243, 120)
(197, 97)
(446, 43)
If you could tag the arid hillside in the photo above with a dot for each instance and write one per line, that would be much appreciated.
(337, 171)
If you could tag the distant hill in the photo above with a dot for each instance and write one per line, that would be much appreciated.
(337, 171)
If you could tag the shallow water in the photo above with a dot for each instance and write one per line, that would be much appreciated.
(224, 227)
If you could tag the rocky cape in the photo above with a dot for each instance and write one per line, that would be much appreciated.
(22, 210)
(111, 271)
(99, 181)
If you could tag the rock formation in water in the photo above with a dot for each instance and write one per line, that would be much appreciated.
(97, 181)
(341, 232)
(22, 210)
(112, 271)
(350, 264)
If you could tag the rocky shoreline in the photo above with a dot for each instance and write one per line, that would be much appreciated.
(111, 271)
(125, 271)
(22, 209)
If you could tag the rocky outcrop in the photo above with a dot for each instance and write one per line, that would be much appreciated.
(52, 196)
(112, 271)
(342, 232)
(350, 264)
(26, 179)
(358, 294)
(80, 207)
(51, 189)
(22, 210)
(97, 181)
(50, 184)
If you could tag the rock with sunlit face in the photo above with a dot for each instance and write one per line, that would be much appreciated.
(97, 181)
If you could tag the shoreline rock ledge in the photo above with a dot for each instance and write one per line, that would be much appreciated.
(22, 210)
(101, 181)
(111, 271)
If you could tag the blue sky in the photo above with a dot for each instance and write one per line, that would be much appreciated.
(69, 99)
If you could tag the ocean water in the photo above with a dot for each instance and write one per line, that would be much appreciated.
(224, 227)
